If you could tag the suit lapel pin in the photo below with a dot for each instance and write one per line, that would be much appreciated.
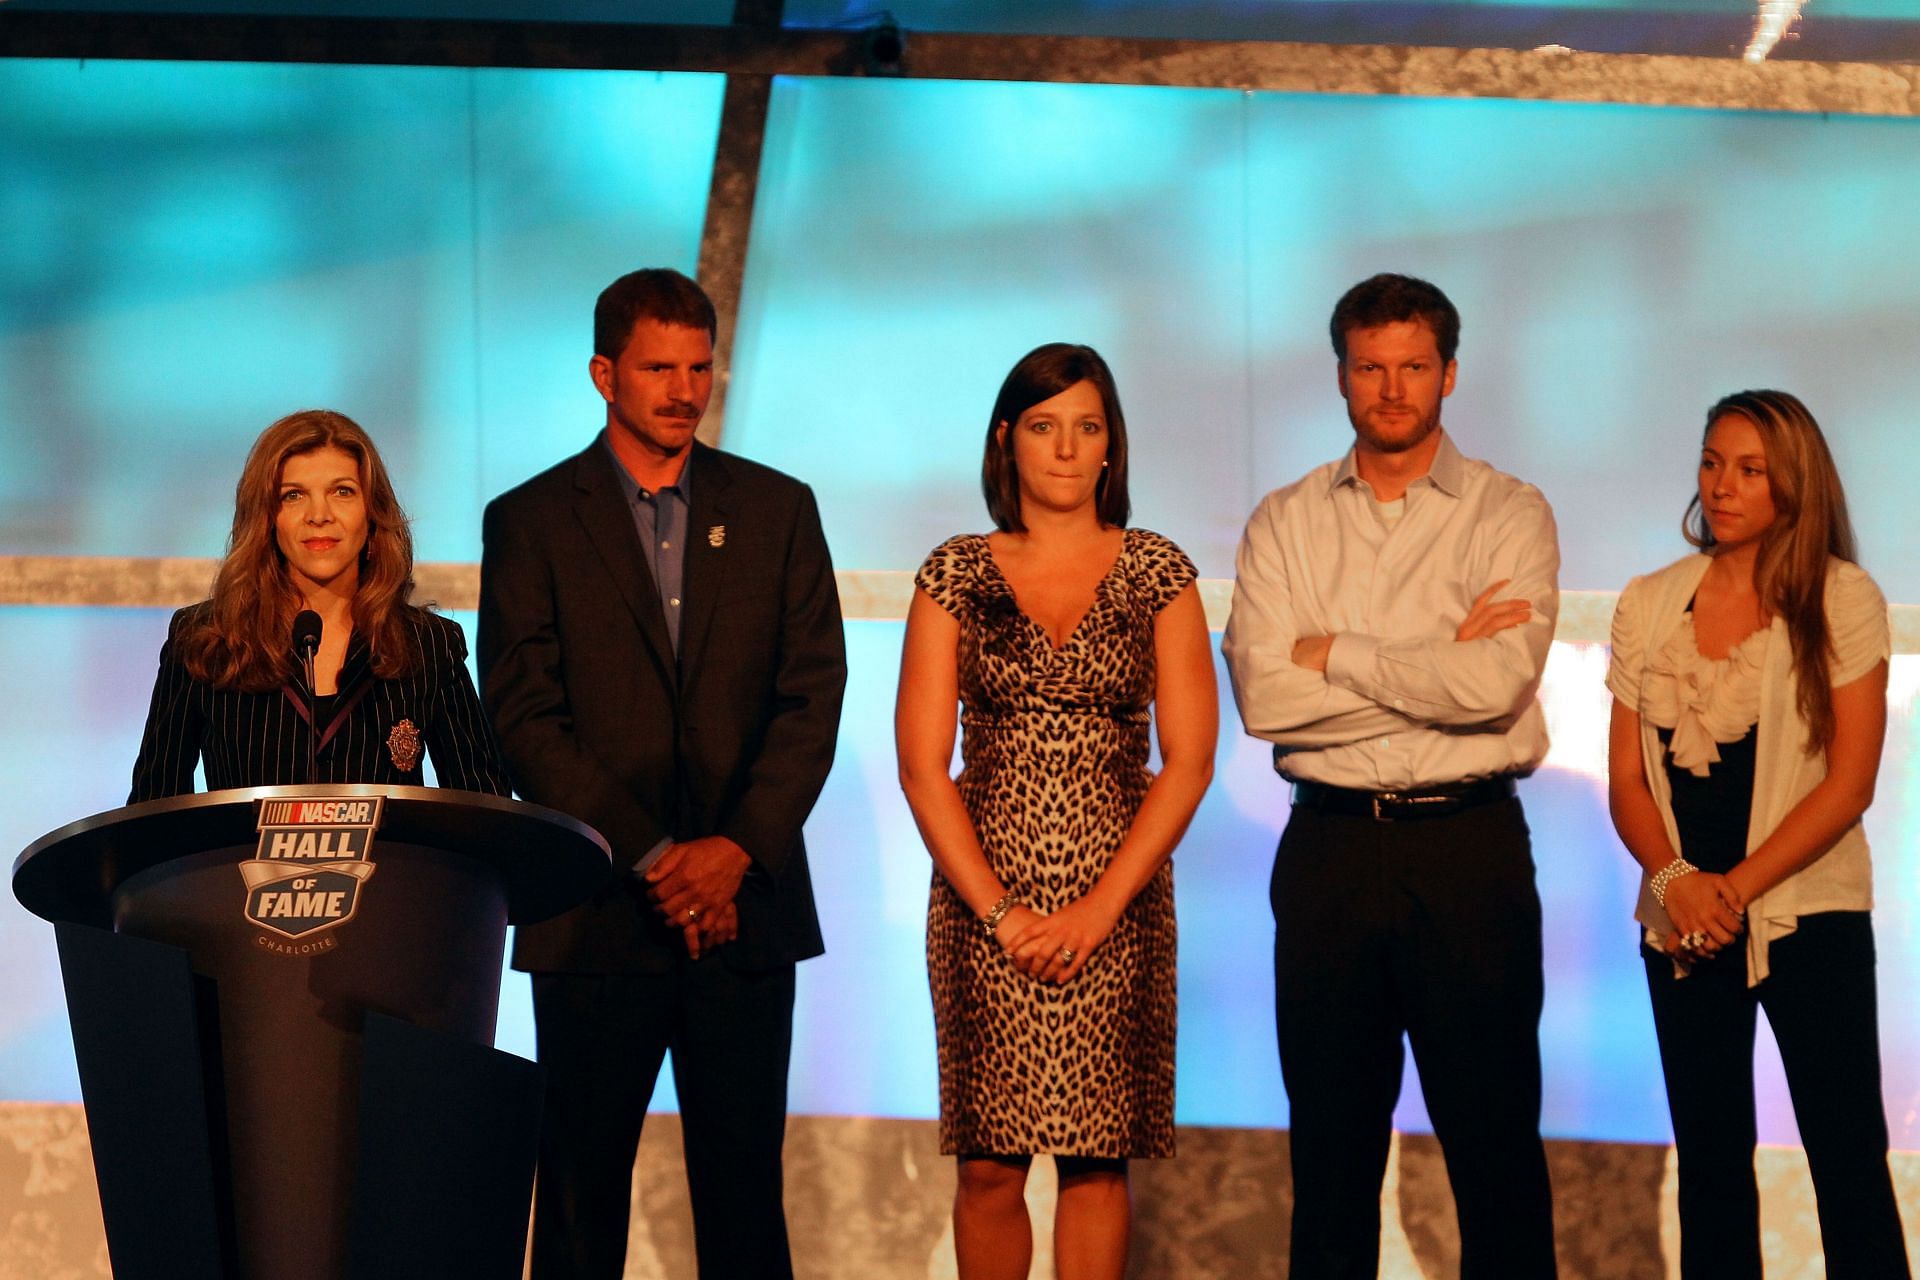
(403, 744)
(717, 535)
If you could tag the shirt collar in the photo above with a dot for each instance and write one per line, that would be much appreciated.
(1448, 472)
(683, 486)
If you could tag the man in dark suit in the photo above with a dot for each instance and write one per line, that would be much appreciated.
(662, 656)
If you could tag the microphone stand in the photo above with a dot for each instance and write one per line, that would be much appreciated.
(307, 628)
(313, 716)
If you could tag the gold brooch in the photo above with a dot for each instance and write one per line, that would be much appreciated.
(403, 744)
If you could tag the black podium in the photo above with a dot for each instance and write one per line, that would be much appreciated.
(283, 1017)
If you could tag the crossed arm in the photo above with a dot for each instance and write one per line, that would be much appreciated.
(1186, 715)
(1300, 686)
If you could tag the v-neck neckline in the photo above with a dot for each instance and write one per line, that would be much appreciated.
(1099, 594)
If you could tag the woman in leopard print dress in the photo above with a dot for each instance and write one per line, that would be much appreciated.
(1050, 934)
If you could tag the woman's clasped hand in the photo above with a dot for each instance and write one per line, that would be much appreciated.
(1707, 914)
(1055, 948)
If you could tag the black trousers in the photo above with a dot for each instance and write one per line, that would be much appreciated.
(1430, 928)
(601, 1039)
(1819, 998)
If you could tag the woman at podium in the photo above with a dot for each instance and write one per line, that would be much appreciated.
(317, 531)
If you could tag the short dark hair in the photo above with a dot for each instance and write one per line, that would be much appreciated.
(1391, 299)
(1042, 374)
(653, 293)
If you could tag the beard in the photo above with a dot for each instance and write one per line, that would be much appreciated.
(1405, 434)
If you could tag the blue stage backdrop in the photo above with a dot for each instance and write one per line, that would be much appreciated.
(193, 250)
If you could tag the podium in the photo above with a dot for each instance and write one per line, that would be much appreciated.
(287, 1065)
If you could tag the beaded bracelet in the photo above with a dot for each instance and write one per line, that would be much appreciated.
(992, 919)
(1667, 875)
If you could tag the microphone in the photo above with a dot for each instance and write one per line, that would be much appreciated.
(306, 634)
(306, 640)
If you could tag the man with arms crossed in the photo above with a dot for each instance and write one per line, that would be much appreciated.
(661, 653)
(1392, 613)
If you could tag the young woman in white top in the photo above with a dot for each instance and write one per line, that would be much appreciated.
(1749, 686)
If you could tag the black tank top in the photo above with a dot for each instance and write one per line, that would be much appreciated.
(1712, 812)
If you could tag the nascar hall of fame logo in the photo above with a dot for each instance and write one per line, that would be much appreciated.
(307, 874)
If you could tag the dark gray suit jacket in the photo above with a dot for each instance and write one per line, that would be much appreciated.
(598, 719)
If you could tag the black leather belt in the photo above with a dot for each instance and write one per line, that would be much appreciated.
(1400, 806)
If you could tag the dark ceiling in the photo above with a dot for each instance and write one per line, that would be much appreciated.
(1833, 30)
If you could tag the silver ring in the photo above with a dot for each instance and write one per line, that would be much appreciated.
(1694, 941)
(1066, 955)
(693, 913)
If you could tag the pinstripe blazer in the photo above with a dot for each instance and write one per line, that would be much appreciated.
(261, 739)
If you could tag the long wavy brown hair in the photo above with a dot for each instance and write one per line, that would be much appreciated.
(242, 637)
(1810, 525)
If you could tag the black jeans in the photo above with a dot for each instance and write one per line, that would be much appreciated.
(1429, 928)
(1819, 998)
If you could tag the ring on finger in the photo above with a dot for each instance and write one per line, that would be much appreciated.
(1066, 955)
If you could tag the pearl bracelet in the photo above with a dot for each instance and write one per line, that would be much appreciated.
(991, 920)
(1667, 875)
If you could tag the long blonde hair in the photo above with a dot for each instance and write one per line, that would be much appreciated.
(1810, 526)
(242, 638)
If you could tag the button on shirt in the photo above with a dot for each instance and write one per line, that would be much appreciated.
(660, 518)
(1402, 703)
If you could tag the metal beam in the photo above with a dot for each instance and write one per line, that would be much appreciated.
(882, 595)
(865, 594)
(1850, 88)
(736, 178)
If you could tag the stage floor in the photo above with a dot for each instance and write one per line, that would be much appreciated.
(869, 1197)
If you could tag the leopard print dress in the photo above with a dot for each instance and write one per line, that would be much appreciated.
(1054, 747)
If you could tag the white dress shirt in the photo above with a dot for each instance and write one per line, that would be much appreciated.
(1402, 703)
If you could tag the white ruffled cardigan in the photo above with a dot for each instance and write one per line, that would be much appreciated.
(1841, 879)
